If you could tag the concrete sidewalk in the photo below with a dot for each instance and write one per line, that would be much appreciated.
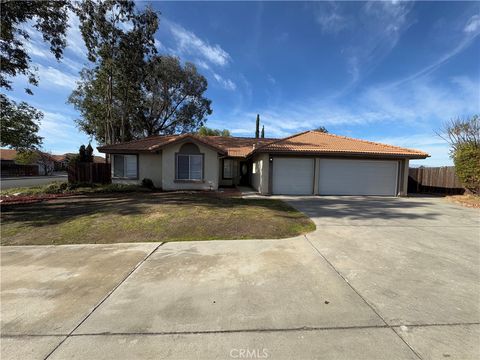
(379, 279)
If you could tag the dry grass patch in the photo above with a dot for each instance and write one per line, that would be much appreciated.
(141, 217)
(465, 200)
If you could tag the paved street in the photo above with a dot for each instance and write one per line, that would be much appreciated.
(8, 183)
(380, 278)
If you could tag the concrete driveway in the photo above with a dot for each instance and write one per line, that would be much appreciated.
(381, 278)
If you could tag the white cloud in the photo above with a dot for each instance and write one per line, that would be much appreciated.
(330, 18)
(190, 44)
(417, 107)
(202, 64)
(431, 143)
(50, 75)
(373, 32)
(75, 42)
(226, 83)
(473, 24)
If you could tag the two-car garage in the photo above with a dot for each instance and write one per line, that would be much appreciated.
(329, 176)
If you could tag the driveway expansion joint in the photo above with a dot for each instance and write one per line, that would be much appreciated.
(361, 297)
(105, 298)
(232, 331)
(301, 328)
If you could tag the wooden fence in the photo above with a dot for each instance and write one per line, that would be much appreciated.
(439, 180)
(89, 173)
(14, 170)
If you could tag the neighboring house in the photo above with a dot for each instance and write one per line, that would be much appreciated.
(61, 161)
(309, 163)
(45, 164)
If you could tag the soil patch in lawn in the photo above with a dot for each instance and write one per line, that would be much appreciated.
(140, 217)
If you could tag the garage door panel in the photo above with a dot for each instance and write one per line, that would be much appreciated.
(357, 177)
(293, 176)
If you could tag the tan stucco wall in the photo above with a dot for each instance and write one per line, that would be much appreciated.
(149, 167)
(210, 169)
(260, 170)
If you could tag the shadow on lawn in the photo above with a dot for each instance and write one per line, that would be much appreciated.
(68, 208)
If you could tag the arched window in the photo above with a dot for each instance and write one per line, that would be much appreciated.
(189, 163)
(189, 148)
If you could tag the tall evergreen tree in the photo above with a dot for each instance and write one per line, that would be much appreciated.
(257, 127)
(263, 132)
(173, 100)
(118, 40)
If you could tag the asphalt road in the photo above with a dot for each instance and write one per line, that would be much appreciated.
(8, 183)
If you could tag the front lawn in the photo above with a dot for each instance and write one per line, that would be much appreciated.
(141, 217)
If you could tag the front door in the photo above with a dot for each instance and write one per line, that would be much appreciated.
(244, 173)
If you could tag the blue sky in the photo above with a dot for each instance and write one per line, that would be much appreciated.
(384, 71)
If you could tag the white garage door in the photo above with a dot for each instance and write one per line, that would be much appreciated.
(357, 177)
(293, 176)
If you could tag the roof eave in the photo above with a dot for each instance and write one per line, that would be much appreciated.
(342, 154)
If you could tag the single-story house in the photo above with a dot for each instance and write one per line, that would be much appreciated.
(61, 161)
(308, 163)
(9, 166)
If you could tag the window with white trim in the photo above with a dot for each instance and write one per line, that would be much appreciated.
(227, 168)
(189, 167)
(125, 166)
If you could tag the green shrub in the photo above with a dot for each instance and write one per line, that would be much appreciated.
(55, 188)
(113, 188)
(466, 158)
(148, 183)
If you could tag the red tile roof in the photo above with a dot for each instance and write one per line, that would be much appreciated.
(8, 154)
(230, 146)
(316, 142)
(308, 142)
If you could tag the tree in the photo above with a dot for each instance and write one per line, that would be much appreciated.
(257, 127)
(89, 153)
(41, 158)
(46, 161)
(463, 135)
(118, 40)
(19, 124)
(322, 129)
(173, 97)
(48, 17)
(263, 132)
(205, 131)
(460, 131)
(466, 158)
